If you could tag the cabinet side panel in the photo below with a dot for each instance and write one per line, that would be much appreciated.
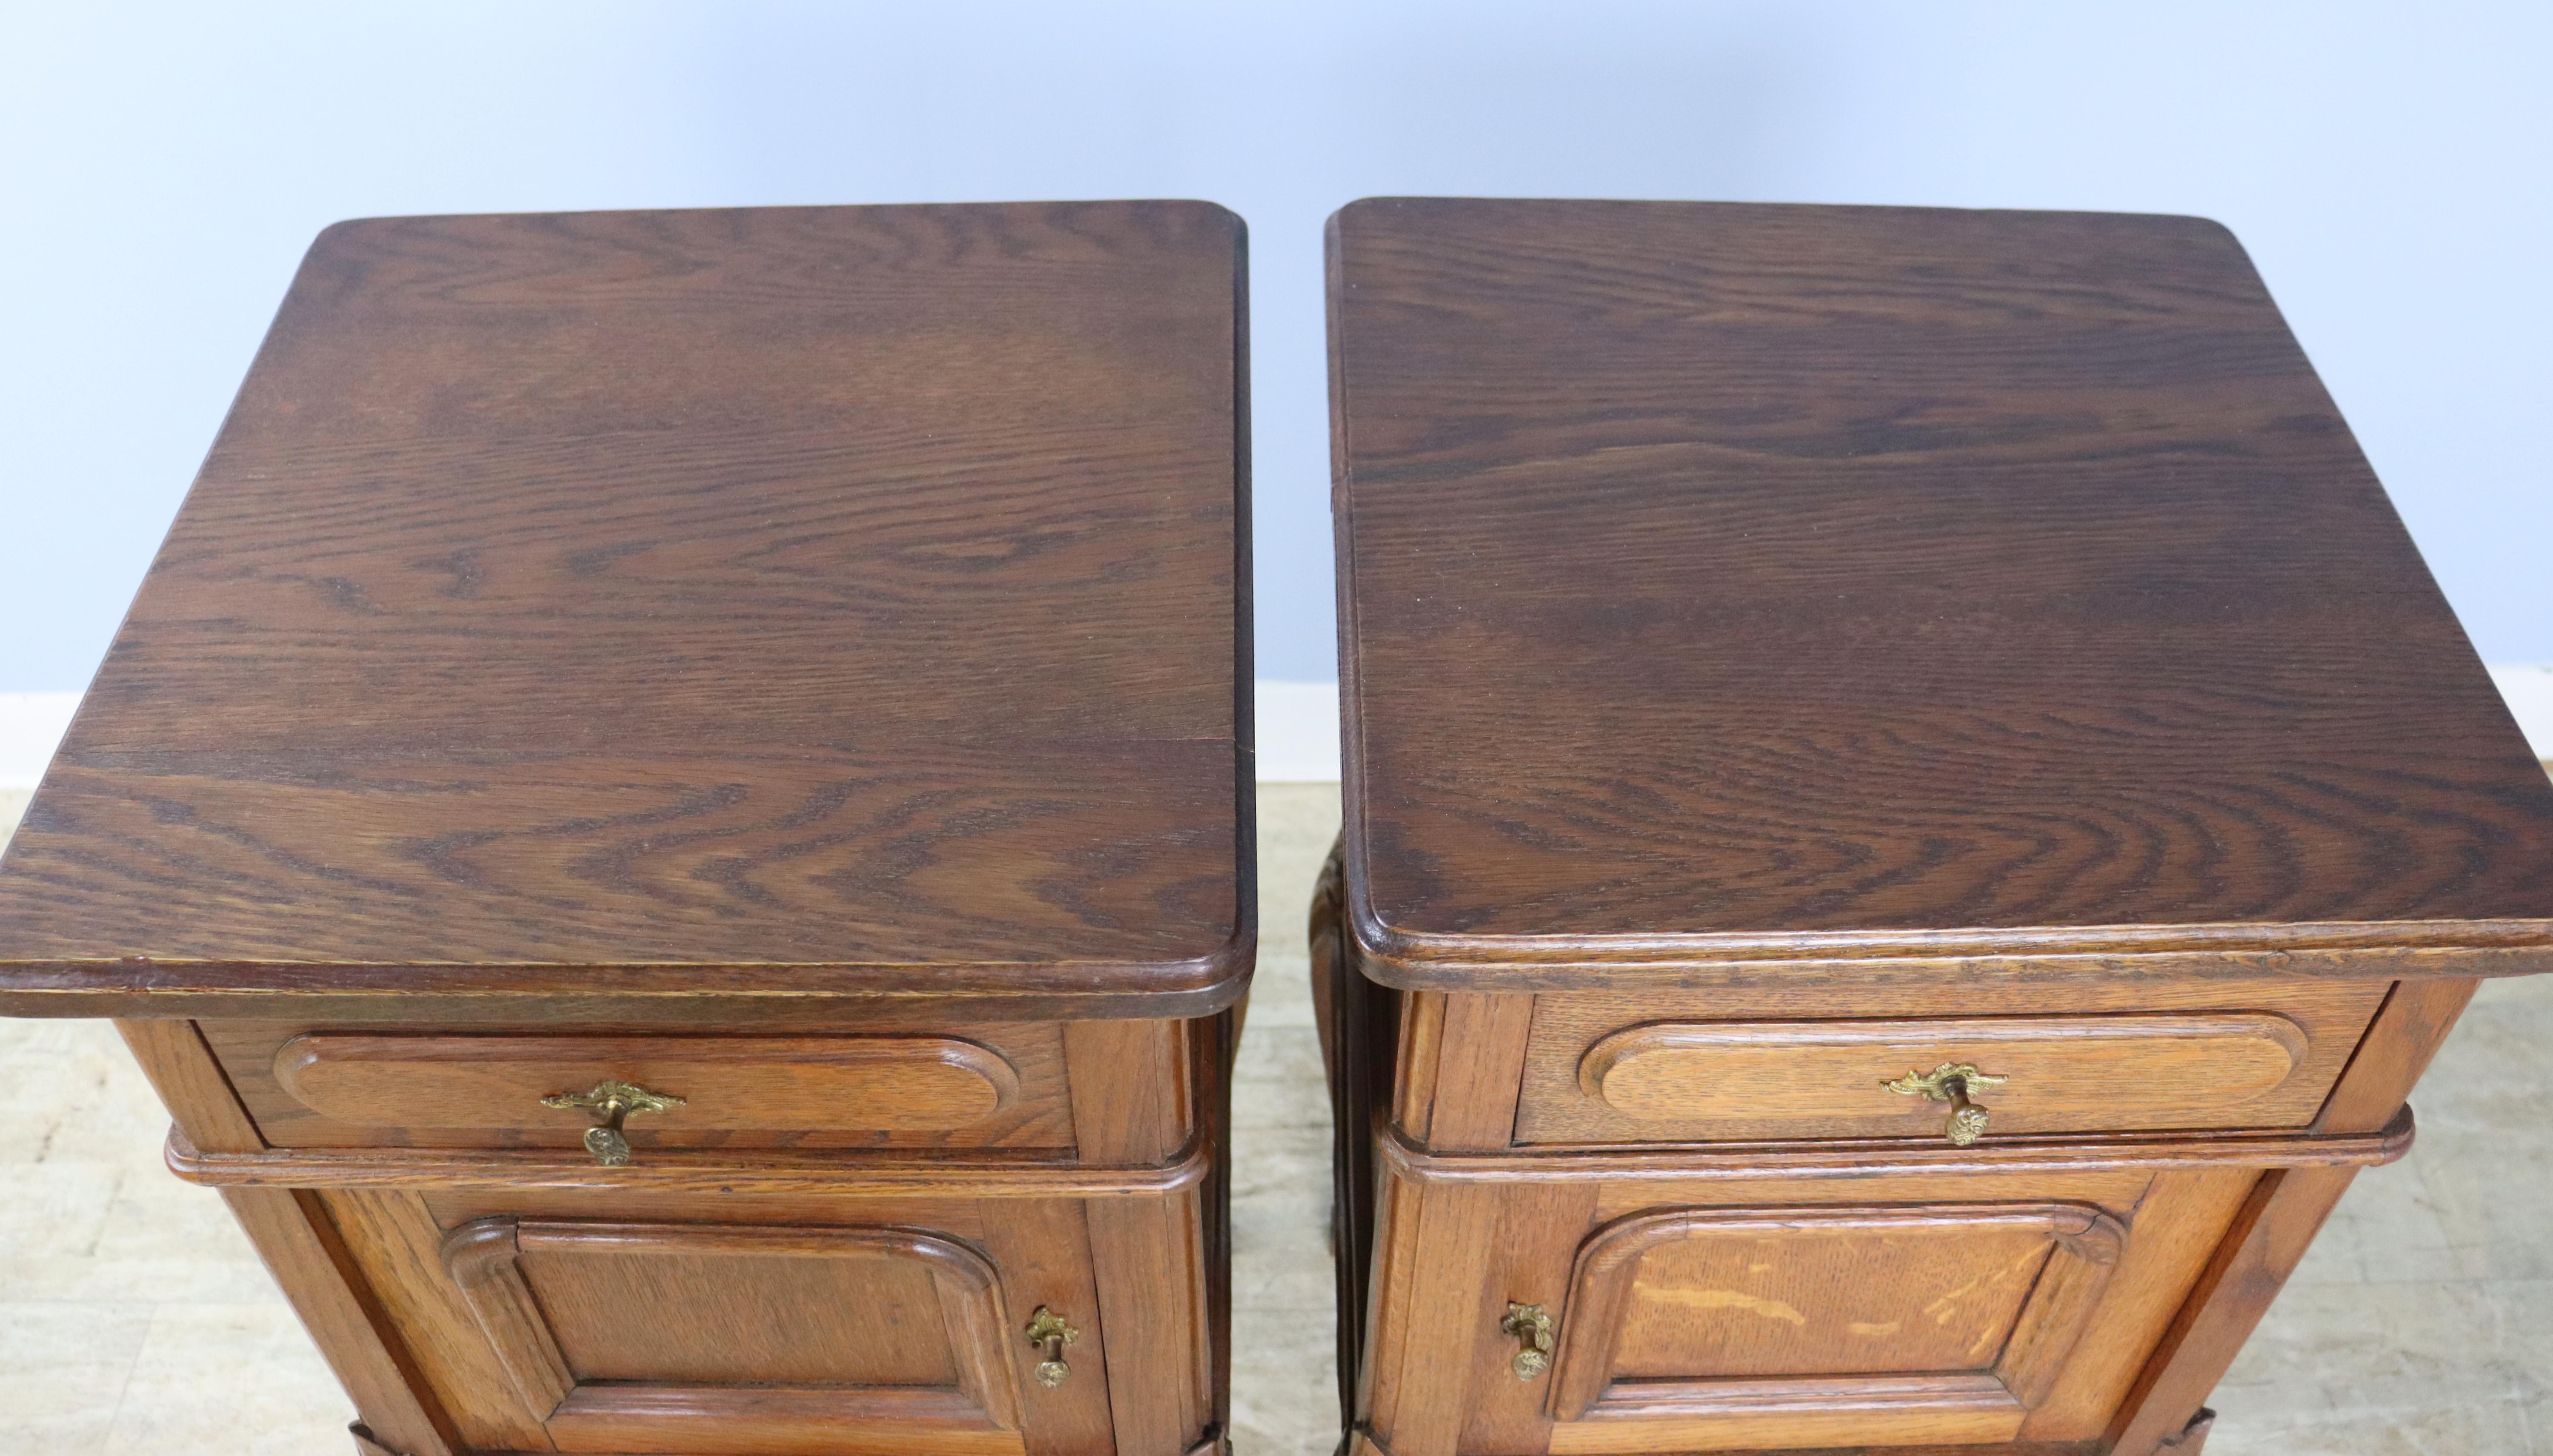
(189, 1081)
(2280, 1219)
(1129, 1088)
(395, 1242)
(2407, 1033)
(300, 1245)
(2173, 1230)
(1432, 1327)
(1479, 1065)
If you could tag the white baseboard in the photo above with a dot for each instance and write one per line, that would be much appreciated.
(1298, 732)
(1298, 726)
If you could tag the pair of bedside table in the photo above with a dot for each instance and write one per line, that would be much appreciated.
(673, 825)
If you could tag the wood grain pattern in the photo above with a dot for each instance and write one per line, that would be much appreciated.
(1517, 1238)
(1417, 1056)
(1133, 1087)
(1971, 591)
(2177, 1221)
(2412, 1024)
(952, 1216)
(1832, 1432)
(791, 1330)
(1689, 1313)
(485, 1262)
(1131, 1093)
(2180, 1193)
(2268, 1236)
(1363, 1443)
(813, 602)
(1038, 1115)
(191, 1085)
(395, 1242)
(682, 1169)
(1539, 1229)
(2275, 1224)
(301, 1246)
(1432, 1308)
(1557, 1108)
(2059, 1074)
(1043, 1249)
(1040, 1246)
(493, 1085)
(608, 1421)
(1844, 1158)
(1359, 1039)
(1477, 1050)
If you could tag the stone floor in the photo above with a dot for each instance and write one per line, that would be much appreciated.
(134, 1319)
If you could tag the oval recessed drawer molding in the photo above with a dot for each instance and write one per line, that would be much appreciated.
(2040, 1074)
(894, 1084)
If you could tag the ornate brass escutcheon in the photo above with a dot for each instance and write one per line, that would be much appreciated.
(1531, 1326)
(1048, 1331)
(611, 1102)
(1951, 1083)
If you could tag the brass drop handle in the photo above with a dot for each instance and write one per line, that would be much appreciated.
(1048, 1331)
(1951, 1083)
(1531, 1326)
(611, 1102)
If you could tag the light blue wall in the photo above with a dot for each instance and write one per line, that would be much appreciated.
(161, 168)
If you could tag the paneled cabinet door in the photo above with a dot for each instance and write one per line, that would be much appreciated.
(670, 1337)
(1703, 1328)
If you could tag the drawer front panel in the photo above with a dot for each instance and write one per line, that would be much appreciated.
(2266, 1061)
(982, 1087)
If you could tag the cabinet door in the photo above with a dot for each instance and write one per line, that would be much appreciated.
(745, 1338)
(1693, 1329)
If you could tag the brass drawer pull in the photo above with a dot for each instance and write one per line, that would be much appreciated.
(1951, 1083)
(1531, 1324)
(611, 1103)
(1048, 1331)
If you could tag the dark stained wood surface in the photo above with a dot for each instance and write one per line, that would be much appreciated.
(1794, 584)
(775, 602)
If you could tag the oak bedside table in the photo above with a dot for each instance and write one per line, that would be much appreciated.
(672, 824)
(1911, 816)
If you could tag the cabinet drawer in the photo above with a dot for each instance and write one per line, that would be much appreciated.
(983, 1086)
(2266, 1061)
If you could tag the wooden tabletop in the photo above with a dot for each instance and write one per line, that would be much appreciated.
(1790, 588)
(762, 606)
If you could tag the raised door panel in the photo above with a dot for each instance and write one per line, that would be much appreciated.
(745, 1338)
(1715, 1328)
